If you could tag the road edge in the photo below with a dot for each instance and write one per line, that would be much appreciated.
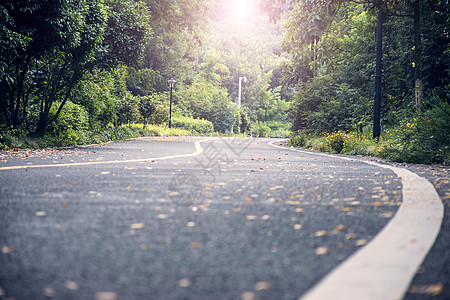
(385, 267)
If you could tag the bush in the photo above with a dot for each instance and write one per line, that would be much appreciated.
(336, 141)
(71, 126)
(425, 141)
(196, 126)
(260, 129)
(297, 140)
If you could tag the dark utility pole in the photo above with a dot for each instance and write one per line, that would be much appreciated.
(377, 100)
(171, 84)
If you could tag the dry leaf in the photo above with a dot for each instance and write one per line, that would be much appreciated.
(162, 216)
(248, 200)
(262, 286)
(251, 217)
(137, 225)
(265, 217)
(298, 226)
(195, 245)
(190, 224)
(293, 202)
(184, 283)
(432, 289)
(361, 242)
(322, 251)
(338, 229)
(248, 296)
(40, 214)
(71, 285)
(321, 233)
(350, 236)
(49, 291)
(106, 296)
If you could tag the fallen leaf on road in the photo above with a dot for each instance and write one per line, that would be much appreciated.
(321, 233)
(71, 285)
(106, 296)
(184, 283)
(265, 217)
(350, 236)
(251, 217)
(137, 225)
(322, 251)
(432, 289)
(345, 209)
(190, 224)
(7, 249)
(387, 215)
(248, 296)
(361, 242)
(40, 214)
(293, 202)
(299, 210)
(195, 245)
(262, 286)
(49, 291)
(162, 216)
(298, 226)
(338, 229)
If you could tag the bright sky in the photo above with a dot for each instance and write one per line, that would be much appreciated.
(243, 9)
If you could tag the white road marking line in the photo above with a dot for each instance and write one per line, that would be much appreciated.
(198, 151)
(384, 268)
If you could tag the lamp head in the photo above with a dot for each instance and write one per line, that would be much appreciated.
(171, 82)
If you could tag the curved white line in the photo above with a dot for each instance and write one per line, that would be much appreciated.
(198, 151)
(384, 268)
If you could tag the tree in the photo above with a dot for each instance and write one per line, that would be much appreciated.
(126, 35)
(47, 47)
(146, 108)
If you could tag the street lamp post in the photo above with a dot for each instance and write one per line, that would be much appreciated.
(171, 83)
(240, 89)
(266, 105)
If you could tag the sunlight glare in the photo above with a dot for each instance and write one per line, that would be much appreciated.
(242, 9)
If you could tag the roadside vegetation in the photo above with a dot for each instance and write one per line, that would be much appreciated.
(79, 72)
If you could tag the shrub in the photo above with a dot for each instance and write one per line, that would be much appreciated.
(336, 141)
(297, 140)
(425, 141)
(195, 126)
(260, 129)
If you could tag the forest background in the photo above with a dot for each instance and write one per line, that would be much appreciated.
(76, 72)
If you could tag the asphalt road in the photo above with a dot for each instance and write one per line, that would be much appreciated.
(154, 218)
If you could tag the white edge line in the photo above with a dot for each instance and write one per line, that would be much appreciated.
(198, 151)
(384, 268)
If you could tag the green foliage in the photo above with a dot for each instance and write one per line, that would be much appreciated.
(128, 110)
(425, 141)
(146, 108)
(260, 129)
(195, 126)
(71, 125)
(206, 100)
(96, 93)
(297, 140)
(126, 35)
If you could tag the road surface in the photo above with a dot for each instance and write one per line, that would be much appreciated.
(197, 218)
